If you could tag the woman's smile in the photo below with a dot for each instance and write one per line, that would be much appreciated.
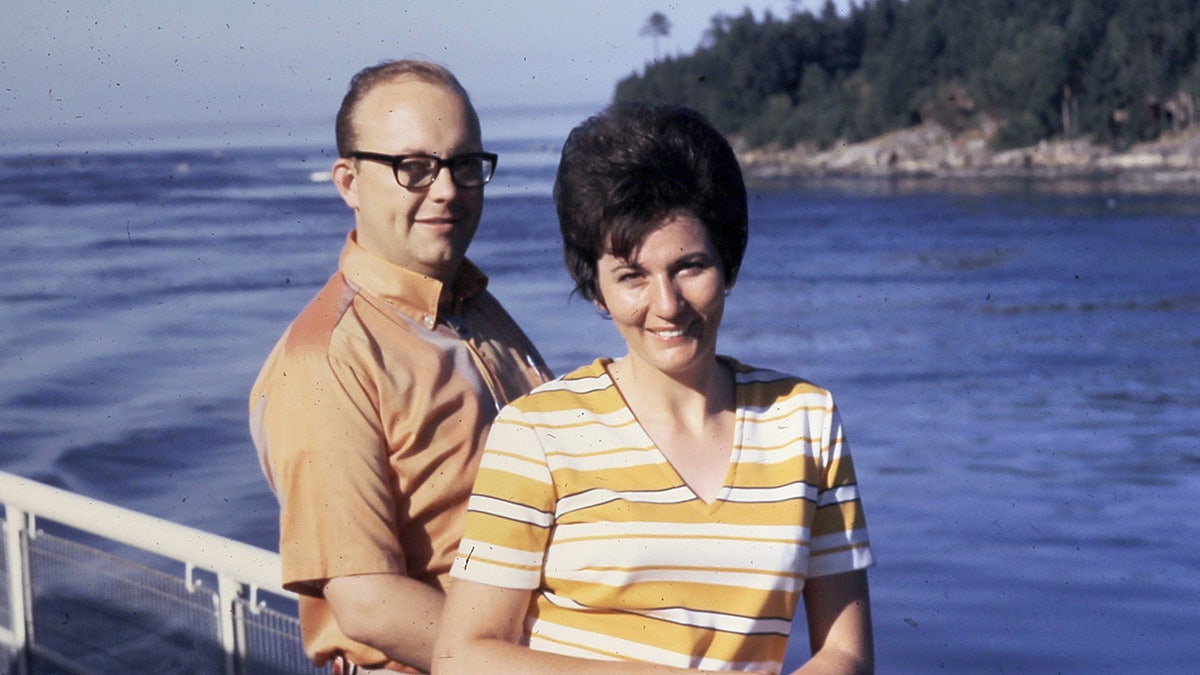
(668, 298)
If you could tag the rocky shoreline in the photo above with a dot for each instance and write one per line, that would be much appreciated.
(930, 151)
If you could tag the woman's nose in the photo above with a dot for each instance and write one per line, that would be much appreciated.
(666, 298)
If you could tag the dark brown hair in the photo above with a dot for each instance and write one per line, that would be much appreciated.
(626, 169)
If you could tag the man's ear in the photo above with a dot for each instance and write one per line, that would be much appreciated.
(345, 178)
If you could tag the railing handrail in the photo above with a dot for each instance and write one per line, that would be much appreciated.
(245, 563)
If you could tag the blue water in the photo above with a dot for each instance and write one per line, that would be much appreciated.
(1019, 368)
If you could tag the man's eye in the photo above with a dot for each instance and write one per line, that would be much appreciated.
(414, 168)
(469, 169)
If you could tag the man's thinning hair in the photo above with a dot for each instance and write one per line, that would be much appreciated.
(384, 72)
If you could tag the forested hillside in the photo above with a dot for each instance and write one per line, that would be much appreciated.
(1115, 71)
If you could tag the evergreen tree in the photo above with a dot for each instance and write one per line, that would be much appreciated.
(657, 26)
(1119, 71)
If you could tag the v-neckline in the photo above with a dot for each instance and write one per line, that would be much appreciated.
(664, 463)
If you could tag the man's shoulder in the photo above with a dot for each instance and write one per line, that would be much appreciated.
(313, 328)
(339, 324)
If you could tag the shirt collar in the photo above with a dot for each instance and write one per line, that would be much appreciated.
(422, 299)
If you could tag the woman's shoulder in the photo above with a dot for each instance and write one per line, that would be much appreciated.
(771, 385)
(583, 378)
(575, 389)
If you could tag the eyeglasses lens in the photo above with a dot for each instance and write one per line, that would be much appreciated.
(468, 171)
(417, 172)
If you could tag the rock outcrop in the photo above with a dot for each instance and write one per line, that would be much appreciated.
(930, 150)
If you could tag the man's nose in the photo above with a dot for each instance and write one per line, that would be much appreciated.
(443, 186)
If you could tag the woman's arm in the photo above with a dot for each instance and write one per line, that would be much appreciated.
(838, 607)
(481, 631)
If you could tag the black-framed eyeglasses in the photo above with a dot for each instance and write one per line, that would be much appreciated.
(468, 170)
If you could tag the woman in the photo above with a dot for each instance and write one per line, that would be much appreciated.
(672, 506)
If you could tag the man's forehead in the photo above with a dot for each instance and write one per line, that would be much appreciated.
(413, 98)
(412, 91)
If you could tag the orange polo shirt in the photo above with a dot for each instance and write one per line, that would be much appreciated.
(369, 417)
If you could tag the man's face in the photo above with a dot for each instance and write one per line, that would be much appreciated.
(426, 230)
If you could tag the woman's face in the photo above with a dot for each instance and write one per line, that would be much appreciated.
(668, 298)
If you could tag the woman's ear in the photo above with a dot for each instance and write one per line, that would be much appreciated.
(344, 177)
(598, 301)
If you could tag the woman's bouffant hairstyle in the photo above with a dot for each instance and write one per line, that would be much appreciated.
(626, 169)
(384, 72)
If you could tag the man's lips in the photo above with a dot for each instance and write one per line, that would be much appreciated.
(446, 222)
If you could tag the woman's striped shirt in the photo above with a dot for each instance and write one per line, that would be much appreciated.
(574, 501)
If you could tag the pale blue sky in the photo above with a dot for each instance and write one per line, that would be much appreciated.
(71, 66)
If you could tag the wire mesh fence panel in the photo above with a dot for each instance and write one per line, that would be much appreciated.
(98, 589)
(111, 615)
(8, 648)
(8, 659)
(273, 642)
(6, 617)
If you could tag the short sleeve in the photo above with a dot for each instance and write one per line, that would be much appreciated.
(511, 510)
(326, 445)
(839, 541)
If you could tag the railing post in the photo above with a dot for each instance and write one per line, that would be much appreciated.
(19, 592)
(233, 627)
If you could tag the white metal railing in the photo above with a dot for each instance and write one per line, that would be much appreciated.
(245, 575)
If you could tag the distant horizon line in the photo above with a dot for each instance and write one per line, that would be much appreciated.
(82, 124)
(250, 131)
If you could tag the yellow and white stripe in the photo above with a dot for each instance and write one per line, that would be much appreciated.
(574, 502)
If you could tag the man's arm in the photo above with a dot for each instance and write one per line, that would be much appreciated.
(393, 613)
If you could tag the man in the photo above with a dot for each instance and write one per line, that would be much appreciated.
(370, 412)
